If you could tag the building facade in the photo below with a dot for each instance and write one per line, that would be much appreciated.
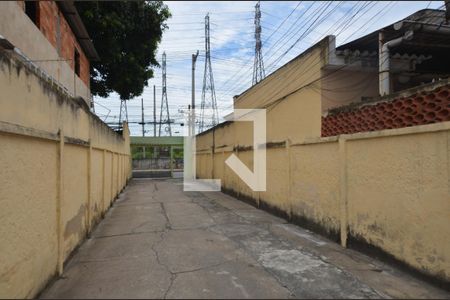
(51, 36)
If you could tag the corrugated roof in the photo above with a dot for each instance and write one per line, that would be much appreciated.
(369, 42)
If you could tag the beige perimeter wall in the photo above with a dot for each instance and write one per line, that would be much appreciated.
(388, 189)
(61, 167)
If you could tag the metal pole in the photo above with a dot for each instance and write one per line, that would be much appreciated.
(154, 118)
(154, 110)
(143, 126)
(192, 125)
(189, 154)
(171, 161)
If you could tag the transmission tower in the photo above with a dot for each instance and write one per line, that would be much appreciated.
(123, 113)
(258, 65)
(208, 92)
(164, 103)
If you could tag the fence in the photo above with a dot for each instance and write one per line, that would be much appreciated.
(61, 169)
(388, 189)
(157, 156)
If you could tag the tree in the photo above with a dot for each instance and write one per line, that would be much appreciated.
(126, 36)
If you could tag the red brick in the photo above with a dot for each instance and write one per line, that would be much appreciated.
(47, 23)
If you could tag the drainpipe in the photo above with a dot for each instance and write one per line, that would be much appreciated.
(384, 60)
(422, 26)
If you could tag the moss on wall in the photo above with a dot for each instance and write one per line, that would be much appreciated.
(57, 178)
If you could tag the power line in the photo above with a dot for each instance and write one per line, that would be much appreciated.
(227, 60)
(305, 33)
(287, 35)
(281, 89)
(290, 70)
(269, 50)
(317, 61)
(337, 25)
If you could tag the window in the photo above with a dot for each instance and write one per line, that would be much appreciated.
(32, 11)
(76, 59)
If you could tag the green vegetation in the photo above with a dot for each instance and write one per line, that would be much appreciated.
(126, 36)
(137, 152)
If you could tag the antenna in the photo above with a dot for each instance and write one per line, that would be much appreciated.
(208, 91)
(258, 64)
(164, 102)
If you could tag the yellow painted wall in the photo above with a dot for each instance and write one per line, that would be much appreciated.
(314, 183)
(387, 188)
(75, 196)
(28, 180)
(97, 184)
(244, 191)
(293, 105)
(277, 179)
(52, 190)
(399, 199)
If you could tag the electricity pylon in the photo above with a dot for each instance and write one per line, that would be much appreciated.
(123, 113)
(208, 92)
(258, 64)
(164, 102)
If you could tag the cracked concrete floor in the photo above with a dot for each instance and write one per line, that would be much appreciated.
(160, 242)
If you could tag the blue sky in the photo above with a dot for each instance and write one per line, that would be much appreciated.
(285, 25)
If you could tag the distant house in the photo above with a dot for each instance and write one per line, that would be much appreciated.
(51, 35)
(411, 52)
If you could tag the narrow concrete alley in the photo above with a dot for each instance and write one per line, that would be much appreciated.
(160, 242)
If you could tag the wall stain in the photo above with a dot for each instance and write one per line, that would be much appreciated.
(74, 225)
(375, 228)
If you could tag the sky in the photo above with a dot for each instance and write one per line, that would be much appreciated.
(288, 28)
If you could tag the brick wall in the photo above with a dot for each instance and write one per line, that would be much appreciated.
(48, 23)
(421, 108)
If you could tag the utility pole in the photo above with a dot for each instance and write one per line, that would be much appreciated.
(189, 149)
(258, 64)
(143, 123)
(154, 110)
(208, 86)
(192, 119)
(154, 121)
(164, 101)
(143, 126)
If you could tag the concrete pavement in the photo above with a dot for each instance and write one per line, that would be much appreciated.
(160, 242)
